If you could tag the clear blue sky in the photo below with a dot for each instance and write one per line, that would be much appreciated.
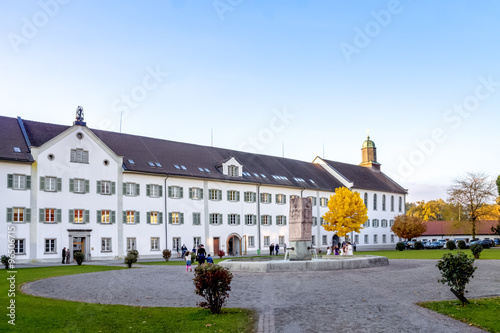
(422, 76)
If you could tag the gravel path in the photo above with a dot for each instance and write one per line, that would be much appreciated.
(380, 299)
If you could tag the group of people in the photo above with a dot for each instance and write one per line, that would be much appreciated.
(274, 249)
(345, 249)
(66, 254)
(201, 256)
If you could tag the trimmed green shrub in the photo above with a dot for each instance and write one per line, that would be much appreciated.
(461, 245)
(212, 282)
(476, 250)
(131, 257)
(456, 271)
(79, 257)
(167, 254)
(450, 245)
(400, 246)
(418, 246)
(5, 261)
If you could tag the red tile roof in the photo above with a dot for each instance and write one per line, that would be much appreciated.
(445, 228)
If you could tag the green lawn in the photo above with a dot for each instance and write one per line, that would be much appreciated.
(482, 312)
(493, 253)
(37, 314)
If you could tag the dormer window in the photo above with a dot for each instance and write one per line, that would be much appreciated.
(232, 168)
(232, 171)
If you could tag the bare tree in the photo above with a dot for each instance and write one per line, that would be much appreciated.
(472, 192)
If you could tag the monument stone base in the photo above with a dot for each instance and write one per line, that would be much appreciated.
(300, 251)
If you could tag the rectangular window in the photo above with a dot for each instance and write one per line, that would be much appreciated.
(131, 244)
(196, 193)
(196, 218)
(313, 240)
(391, 223)
(78, 185)
(251, 241)
(281, 240)
(384, 223)
(384, 239)
(233, 171)
(18, 214)
(323, 202)
(131, 189)
(215, 219)
(105, 244)
(250, 196)
(324, 241)
(214, 194)
(375, 239)
(154, 218)
(19, 246)
(175, 192)
(130, 216)
(356, 239)
(392, 238)
(313, 200)
(50, 184)
(50, 245)
(280, 199)
(18, 182)
(105, 187)
(375, 223)
(366, 239)
(50, 215)
(392, 203)
(79, 156)
(265, 219)
(367, 224)
(322, 221)
(105, 216)
(400, 205)
(281, 220)
(176, 243)
(78, 216)
(233, 219)
(196, 241)
(155, 243)
(154, 191)
(250, 219)
(265, 197)
(315, 221)
(267, 241)
(233, 195)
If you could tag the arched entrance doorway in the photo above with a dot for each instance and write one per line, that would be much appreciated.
(234, 245)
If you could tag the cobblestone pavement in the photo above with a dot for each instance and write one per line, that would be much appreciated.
(380, 299)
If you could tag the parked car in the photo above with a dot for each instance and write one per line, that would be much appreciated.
(435, 245)
(486, 243)
(497, 241)
(442, 241)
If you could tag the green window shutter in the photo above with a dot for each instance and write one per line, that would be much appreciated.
(254, 196)
(137, 217)
(42, 183)
(269, 198)
(262, 197)
(124, 216)
(87, 186)
(28, 215)
(86, 217)
(10, 212)
(284, 220)
(170, 191)
(161, 190)
(71, 185)
(169, 218)
(181, 218)
(201, 193)
(71, 214)
(58, 216)
(284, 198)
(210, 216)
(238, 219)
(28, 182)
(228, 195)
(221, 220)
(190, 193)
(59, 184)
(148, 190)
(113, 187)
(254, 219)
(113, 216)
(237, 195)
(137, 189)
(261, 219)
(270, 220)
(181, 192)
(98, 190)
(228, 218)
(124, 188)
(148, 214)
(41, 215)
(219, 195)
(99, 213)
(276, 198)
(10, 180)
(160, 217)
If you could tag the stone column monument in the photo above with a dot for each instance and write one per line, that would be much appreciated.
(300, 228)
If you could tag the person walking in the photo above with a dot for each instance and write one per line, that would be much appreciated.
(349, 249)
(184, 250)
(277, 249)
(201, 254)
(271, 249)
(354, 246)
(68, 255)
(63, 254)
(187, 257)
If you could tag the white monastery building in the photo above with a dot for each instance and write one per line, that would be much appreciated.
(104, 193)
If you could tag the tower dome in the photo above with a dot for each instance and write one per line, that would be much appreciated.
(369, 143)
(369, 155)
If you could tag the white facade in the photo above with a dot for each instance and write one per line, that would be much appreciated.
(81, 197)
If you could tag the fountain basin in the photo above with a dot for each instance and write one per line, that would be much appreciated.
(327, 263)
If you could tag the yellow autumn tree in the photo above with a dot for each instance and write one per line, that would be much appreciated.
(427, 211)
(346, 212)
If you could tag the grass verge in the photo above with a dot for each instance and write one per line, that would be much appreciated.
(487, 254)
(38, 314)
(482, 313)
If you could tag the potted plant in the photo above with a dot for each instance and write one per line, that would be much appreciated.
(79, 257)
